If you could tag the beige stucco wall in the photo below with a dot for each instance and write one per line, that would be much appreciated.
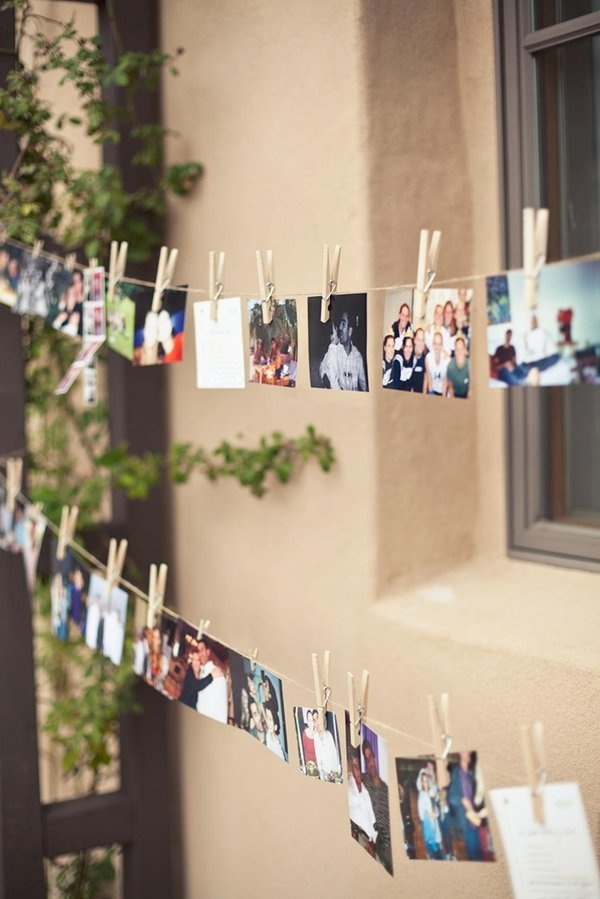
(359, 123)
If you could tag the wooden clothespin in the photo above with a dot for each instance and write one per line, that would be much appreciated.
(535, 763)
(156, 593)
(202, 627)
(215, 282)
(266, 282)
(253, 658)
(330, 279)
(357, 710)
(68, 523)
(114, 566)
(322, 688)
(14, 478)
(164, 275)
(426, 271)
(442, 741)
(37, 248)
(535, 248)
(116, 270)
(70, 260)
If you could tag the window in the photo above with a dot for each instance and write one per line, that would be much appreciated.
(549, 79)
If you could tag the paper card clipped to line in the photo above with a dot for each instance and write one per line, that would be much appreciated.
(554, 860)
(219, 345)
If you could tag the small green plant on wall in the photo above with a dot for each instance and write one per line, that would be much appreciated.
(44, 194)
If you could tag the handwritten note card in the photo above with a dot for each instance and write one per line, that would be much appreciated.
(554, 860)
(219, 345)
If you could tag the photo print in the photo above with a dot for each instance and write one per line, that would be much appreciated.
(65, 296)
(158, 336)
(368, 794)
(444, 823)
(69, 591)
(219, 345)
(94, 307)
(106, 619)
(273, 347)
(338, 348)
(318, 747)
(153, 647)
(258, 704)
(205, 671)
(35, 528)
(12, 524)
(22, 531)
(432, 356)
(557, 343)
(10, 271)
(120, 319)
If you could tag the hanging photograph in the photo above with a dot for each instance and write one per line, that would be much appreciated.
(94, 308)
(120, 319)
(69, 590)
(273, 347)
(206, 679)
(318, 746)
(444, 821)
(106, 619)
(10, 270)
(555, 344)
(159, 332)
(368, 794)
(258, 704)
(64, 291)
(338, 348)
(153, 647)
(219, 345)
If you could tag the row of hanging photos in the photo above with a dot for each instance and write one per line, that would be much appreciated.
(532, 736)
(535, 244)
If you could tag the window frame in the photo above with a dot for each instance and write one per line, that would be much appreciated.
(531, 534)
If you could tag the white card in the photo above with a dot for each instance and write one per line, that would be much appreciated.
(554, 860)
(219, 345)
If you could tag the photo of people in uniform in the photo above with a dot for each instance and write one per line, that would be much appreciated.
(368, 794)
(158, 333)
(338, 347)
(106, 619)
(431, 356)
(318, 745)
(444, 819)
(258, 704)
(273, 346)
(555, 344)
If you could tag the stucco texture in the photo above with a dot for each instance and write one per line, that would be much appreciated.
(356, 123)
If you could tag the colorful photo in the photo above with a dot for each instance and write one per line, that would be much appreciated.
(318, 745)
(120, 319)
(106, 619)
(258, 704)
(94, 309)
(69, 590)
(158, 337)
(153, 648)
(65, 296)
(556, 343)
(273, 347)
(444, 818)
(368, 794)
(338, 347)
(206, 684)
(10, 270)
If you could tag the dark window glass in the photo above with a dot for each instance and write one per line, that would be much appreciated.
(550, 12)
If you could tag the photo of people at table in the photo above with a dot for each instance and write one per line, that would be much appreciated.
(557, 342)
(273, 346)
(318, 744)
(431, 356)
(444, 821)
(258, 704)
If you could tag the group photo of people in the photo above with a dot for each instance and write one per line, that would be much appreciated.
(318, 744)
(69, 591)
(337, 348)
(258, 704)
(273, 346)
(368, 794)
(444, 822)
(557, 342)
(431, 356)
(106, 619)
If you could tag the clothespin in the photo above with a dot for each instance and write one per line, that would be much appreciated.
(68, 522)
(426, 271)
(156, 593)
(330, 279)
(164, 275)
(215, 282)
(114, 566)
(535, 248)
(116, 271)
(322, 688)
(202, 627)
(70, 260)
(266, 281)
(36, 510)
(357, 710)
(442, 741)
(37, 248)
(253, 658)
(535, 763)
(14, 478)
